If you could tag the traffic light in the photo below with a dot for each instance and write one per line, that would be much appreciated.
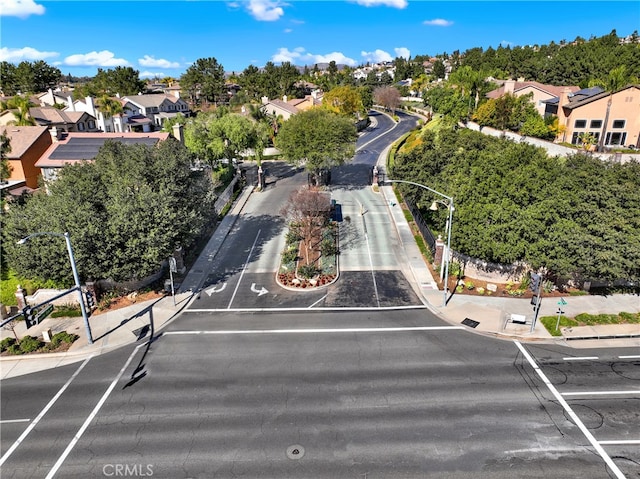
(91, 301)
(29, 316)
(535, 282)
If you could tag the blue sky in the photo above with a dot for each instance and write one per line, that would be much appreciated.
(162, 38)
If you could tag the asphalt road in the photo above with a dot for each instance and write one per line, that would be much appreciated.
(358, 394)
(358, 380)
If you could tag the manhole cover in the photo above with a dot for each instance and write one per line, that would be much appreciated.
(295, 452)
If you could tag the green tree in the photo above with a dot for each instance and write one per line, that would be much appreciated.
(119, 80)
(317, 138)
(204, 81)
(5, 149)
(125, 212)
(21, 105)
(344, 100)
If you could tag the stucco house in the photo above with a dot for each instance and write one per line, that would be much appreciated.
(612, 118)
(541, 92)
(156, 108)
(286, 108)
(28, 144)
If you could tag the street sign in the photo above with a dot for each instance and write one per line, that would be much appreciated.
(562, 302)
(173, 267)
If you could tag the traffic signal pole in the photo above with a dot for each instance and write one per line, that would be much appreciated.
(536, 287)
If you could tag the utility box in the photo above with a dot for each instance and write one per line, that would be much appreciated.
(519, 319)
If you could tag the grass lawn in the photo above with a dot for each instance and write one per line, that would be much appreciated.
(585, 319)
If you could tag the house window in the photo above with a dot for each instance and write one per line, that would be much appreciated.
(616, 138)
(92, 124)
(80, 126)
(580, 124)
(618, 124)
(595, 124)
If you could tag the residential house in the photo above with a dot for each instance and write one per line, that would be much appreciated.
(27, 143)
(146, 112)
(541, 93)
(73, 148)
(108, 124)
(288, 107)
(51, 98)
(612, 118)
(69, 121)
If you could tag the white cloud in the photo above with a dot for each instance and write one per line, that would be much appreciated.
(152, 75)
(288, 30)
(266, 10)
(438, 22)
(299, 56)
(377, 56)
(386, 3)
(99, 59)
(16, 55)
(20, 8)
(402, 52)
(150, 62)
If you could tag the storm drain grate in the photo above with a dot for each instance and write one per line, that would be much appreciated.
(470, 322)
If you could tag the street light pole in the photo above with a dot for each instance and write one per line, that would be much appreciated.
(449, 205)
(76, 278)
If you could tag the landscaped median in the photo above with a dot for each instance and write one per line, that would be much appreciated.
(310, 257)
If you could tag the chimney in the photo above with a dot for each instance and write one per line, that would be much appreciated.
(54, 134)
(177, 132)
(92, 108)
(71, 106)
(563, 100)
(284, 98)
(509, 86)
(265, 100)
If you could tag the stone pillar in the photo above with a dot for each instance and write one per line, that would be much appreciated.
(178, 254)
(439, 251)
(21, 295)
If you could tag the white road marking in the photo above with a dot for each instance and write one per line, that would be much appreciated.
(9, 421)
(315, 330)
(580, 358)
(630, 441)
(612, 465)
(601, 393)
(214, 289)
(629, 357)
(42, 413)
(244, 268)
(316, 302)
(283, 310)
(93, 414)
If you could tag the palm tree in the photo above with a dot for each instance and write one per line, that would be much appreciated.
(110, 107)
(617, 79)
(21, 105)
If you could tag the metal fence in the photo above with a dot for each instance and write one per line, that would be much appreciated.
(422, 225)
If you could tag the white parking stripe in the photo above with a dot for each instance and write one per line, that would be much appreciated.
(312, 330)
(42, 413)
(580, 358)
(629, 357)
(9, 421)
(602, 393)
(612, 465)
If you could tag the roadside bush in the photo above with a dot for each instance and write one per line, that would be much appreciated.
(14, 349)
(293, 236)
(6, 343)
(328, 247)
(289, 255)
(29, 344)
(67, 311)
(308, 270)
(63, 337)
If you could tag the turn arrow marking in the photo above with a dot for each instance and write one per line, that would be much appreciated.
(210, 291)
(259, 291)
